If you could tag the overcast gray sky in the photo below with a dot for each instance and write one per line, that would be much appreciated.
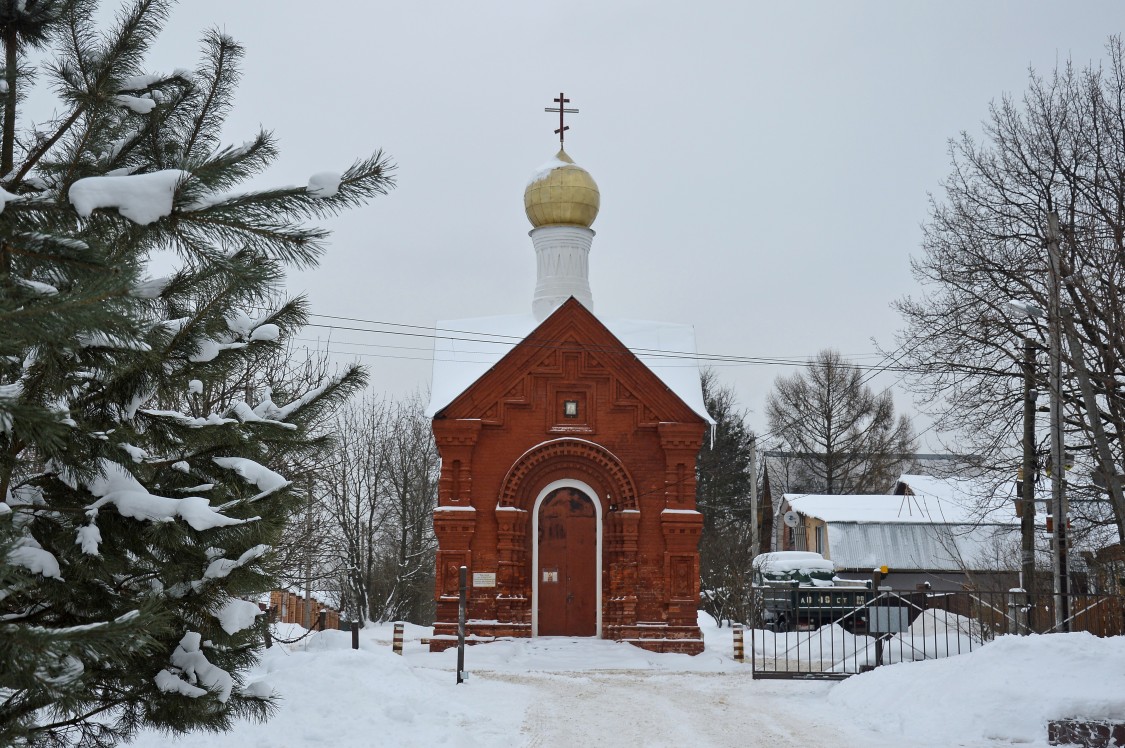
(764, 167)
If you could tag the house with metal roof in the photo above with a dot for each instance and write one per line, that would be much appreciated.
(949, 533)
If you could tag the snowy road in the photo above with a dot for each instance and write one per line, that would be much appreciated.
(650, 709)
(645, 708)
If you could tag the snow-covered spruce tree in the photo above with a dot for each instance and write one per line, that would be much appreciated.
(139, 457)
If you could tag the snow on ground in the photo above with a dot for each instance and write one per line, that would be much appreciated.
(1004, 693)
(566, 692)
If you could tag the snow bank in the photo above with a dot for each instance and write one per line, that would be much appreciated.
(933, 634)
(1005, 692)
(331, 695)
(1002, 694)
(142, 198)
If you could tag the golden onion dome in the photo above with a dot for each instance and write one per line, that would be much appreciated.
(561, 193)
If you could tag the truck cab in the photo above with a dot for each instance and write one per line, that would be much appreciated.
(799, 590)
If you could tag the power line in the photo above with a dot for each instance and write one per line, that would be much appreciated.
(438, 333)
(894, 455)
(889, 362)
(514, 338)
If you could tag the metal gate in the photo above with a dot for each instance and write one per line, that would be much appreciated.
(827, 633)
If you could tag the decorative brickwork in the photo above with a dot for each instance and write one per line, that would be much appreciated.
(571, 457)
(570, 403)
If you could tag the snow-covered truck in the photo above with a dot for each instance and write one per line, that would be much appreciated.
(800, 590)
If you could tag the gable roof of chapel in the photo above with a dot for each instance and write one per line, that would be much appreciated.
(476, 361)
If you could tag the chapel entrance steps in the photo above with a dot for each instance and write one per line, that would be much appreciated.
(815, 633)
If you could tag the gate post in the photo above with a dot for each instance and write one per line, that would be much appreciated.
(1018, 611)
(396, 645)
(464, 579)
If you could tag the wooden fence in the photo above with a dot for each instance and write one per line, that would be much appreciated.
(289, 607)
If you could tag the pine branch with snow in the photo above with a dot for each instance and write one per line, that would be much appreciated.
(148, 449)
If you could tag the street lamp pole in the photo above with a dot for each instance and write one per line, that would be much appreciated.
(1058, 469)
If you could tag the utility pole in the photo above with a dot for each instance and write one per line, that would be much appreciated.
(1058, 468)
(1027, 486)
(1109, 466)
(1090, 403)
(755, 540)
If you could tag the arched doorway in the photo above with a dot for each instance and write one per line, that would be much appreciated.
(567, 561)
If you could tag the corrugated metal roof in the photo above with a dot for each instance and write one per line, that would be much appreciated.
(906, 546)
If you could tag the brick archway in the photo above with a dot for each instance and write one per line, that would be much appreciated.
(604, 478)
(568, 458)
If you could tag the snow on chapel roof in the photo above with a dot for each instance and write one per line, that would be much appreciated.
(465, 349)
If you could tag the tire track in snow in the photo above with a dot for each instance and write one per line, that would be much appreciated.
(652, 709)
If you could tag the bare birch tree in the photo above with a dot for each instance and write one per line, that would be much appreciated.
(1060, 147)
(380, 494)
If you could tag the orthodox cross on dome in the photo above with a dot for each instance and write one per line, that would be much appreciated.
(562, 109)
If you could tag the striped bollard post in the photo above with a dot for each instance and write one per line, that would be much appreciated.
(738, 653)
(399, 626)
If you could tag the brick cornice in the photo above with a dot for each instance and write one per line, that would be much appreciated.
(460, 432)
(676, 436)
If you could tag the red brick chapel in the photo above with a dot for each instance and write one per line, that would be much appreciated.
(567, 462)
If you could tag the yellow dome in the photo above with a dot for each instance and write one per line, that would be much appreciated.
(561, 193)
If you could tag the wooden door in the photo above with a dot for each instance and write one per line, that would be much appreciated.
(568, 546)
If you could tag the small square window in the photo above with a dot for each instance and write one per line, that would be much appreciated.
(570, 408)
